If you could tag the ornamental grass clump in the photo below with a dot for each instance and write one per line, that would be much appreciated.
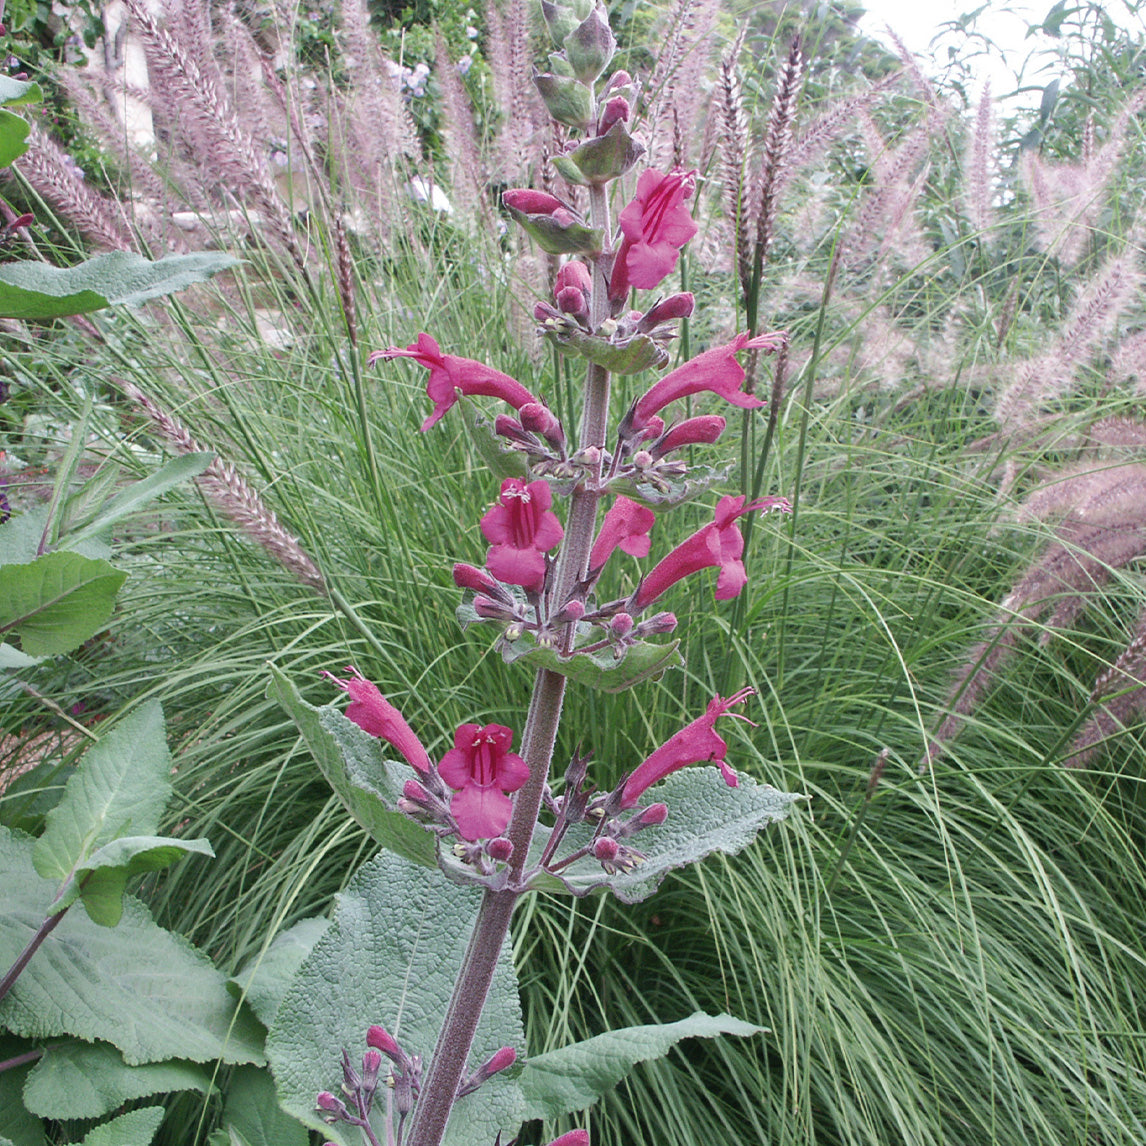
(490, 813)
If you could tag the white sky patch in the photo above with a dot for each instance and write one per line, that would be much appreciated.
(1012, 58)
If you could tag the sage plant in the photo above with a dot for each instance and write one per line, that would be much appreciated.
(578, 495)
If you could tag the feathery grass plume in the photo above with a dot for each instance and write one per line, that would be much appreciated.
(1119, 695)
(733, 136)
(467, 174)
(346, 281)
(52, 173)
(676, 88)
(777, 143)
(209, 124)
(978, 171)
(229, 492)
(1128, 361)
(523, 129)
(1097, 310)
(884, 225)
(1102, 529)
(1066, 198)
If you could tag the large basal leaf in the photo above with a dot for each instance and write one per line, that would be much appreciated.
(572, 1078)
(368, 785)
(89, 1080)
(392, 956)
(120, 788)
(58, 601)
(35, 290)
(13, 137)
(135, 1128)
(265, 979)
(705, 816)
(253, 1112)
(143, 989)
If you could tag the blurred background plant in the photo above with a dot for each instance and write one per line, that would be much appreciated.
(950, 953)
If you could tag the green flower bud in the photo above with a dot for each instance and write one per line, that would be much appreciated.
(569, 101)
(591, 45)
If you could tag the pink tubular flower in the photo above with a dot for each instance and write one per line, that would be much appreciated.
(696, 743)
(481, 770)
(655, 225)
(716, 370)
(373, 713)
(627, 525)
(718, 544)
(521, 528)
(449, 374)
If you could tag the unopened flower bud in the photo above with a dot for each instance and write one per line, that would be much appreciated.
(499, 849)
(574, 273)
(659, 623)
(530, 202)
(653, 816)
(572, 611)
(673, 307)
(506, 426)
(500, 1060)
(642, 459)
(539, 419)
(414, 792)
(574, 1137)
(605, 849)
(378, 1038)
(470, 577)
(620, 625)
(617, 110)
(653, 428)
(703, 430)
(572, 301)
(619, 79)
(491, 610)
(334, 1108)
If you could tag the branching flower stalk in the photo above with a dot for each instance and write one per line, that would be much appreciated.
(482, 799)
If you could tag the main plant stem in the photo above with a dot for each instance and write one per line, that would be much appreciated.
(448, 1064)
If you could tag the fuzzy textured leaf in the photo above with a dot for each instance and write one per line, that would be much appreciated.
(34, 290)
(392, 956)
(631, 356)
(705, 816)
(352, 762)
(110, 867)
(135, 1128)
(13, 137)
(121, 786)
(89, 1080)
(18, 1126)
(253, 1112)
(572, 1078)
(265, 978)
(58, 601)
(143, 989)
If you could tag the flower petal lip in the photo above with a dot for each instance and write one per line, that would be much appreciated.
(626, 525)
(716, 370)
(654, 226)
(481, 769)
(521, 529)
(696, 743)
(374, 714)
(450, 373)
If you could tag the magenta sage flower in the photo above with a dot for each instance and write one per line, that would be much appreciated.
(626, 524)
(718, 544)
(696, 743)
(655, 225)
(716, 370)
(521, 528)
(482, 770)
(450, 374)
(373, 713)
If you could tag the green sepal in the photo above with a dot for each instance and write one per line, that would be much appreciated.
(559, 238)
(562, 18)
(500, 459)
(605, 157)
(671, 490)
(611, 669)
(568, 100)
(568, 170)
(631, 356)
(590, 46)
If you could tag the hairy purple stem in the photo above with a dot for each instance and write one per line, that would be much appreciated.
(448, 1064)
(42, 933)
